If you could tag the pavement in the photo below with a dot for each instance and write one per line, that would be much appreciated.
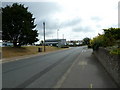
(71, 68)
(86, 72)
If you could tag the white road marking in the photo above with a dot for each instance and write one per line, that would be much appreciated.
(61, 81)
(91, 85)
(82, 64)
(83, 50)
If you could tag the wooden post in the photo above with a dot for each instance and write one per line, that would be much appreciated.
(44, 35)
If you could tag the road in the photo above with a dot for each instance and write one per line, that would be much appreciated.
(45, 71)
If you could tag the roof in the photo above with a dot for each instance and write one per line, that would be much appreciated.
(53, 40)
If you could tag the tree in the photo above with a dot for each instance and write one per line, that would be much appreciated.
(42, 42)
(110, 37)
(97, 42)
(0, 24)
(18, 25)
(113, 35)
(86, 41)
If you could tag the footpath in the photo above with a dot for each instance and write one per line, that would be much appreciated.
(86, 72)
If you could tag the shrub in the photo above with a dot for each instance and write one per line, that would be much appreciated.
(97, 42)
(115, 51)
(110, 37)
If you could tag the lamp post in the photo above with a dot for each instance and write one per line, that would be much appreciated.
(44, 35)
(63, 36)
(57, 34)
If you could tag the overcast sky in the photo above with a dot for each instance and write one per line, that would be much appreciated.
(76, 19)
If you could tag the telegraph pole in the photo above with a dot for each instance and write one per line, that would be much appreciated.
(44, 35)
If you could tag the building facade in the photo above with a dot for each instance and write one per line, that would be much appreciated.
(55, 42)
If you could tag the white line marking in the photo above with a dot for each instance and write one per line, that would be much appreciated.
(91, 85)
(61, 81)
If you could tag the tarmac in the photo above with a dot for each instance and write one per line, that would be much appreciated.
(86, 72)
(4, 60)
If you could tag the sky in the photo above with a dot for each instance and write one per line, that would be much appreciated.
(71, 19)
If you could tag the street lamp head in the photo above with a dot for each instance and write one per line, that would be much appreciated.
(43, 23)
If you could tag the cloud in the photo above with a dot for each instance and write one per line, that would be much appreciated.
(84, 29)
(42, 9)
(69, 16)
(96, 18)
(48, 33)
(39, 9)
(52, 24)
(98, 26)
(71, 22)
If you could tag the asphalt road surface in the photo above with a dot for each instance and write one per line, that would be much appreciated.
(43, 71)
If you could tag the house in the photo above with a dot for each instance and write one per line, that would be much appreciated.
(6, 44)
(74, 42)
(0, 43)
(3, 43)
(55, 42)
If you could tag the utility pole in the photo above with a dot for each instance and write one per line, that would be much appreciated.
(44, 35)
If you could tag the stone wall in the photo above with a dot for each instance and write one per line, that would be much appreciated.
(110, 62)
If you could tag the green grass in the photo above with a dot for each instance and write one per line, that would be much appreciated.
(115, 51)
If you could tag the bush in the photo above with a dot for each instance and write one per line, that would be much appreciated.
(115, 51)
(97, 42)
(89, 46)
(110, 37)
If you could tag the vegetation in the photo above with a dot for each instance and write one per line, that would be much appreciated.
(97, 42)
(10, 52)
(115, 51)
(110, 38)
(18, 25)
(86, 41)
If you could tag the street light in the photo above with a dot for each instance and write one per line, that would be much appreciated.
(58, 30)
(63, 36)
(57, 34)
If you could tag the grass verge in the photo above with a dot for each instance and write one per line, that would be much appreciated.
(9, 52)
